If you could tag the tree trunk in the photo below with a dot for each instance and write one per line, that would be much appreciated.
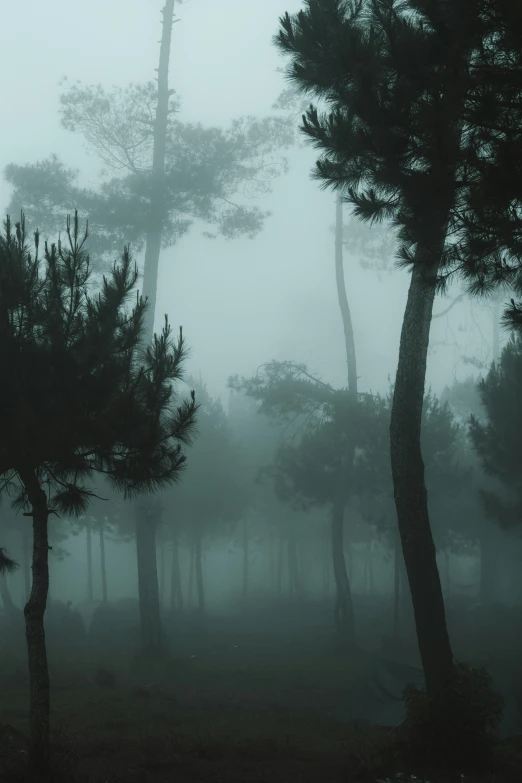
(447, 572)
(176, 588)
(103, 566)
(157, 200)
(88, 532)
(198, 563)
(152, 639)
(161, 544)
(26, 549)
(245, 558)
(5, 594)
(344, 618)
(34, 626)
(190, 598)
(411, 498)
(349, 342)
(151, 631)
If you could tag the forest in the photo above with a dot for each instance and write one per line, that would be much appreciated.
(281, 541)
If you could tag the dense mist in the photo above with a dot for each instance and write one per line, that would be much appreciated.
(261, 455)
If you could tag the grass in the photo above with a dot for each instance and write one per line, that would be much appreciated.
(231, 719)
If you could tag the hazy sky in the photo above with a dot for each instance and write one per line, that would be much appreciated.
(244, 302)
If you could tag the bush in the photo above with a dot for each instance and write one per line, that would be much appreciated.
(459, 731)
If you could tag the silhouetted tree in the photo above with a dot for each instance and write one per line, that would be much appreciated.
(496, 438)
(165, 174)
(399, 84)
(82, 396)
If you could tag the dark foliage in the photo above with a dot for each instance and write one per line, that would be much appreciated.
(82, 395)
(475, 713)
(497, 437)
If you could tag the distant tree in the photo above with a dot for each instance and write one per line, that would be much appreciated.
(161, 175)
(496, 437)
(214, 492)
(82, 397)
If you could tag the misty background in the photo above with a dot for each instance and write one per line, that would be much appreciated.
(244, 302)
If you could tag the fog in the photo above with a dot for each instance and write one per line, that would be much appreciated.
(243, 303)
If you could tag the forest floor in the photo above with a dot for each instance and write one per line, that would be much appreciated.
(224, 708)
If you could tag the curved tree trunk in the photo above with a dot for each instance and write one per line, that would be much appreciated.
(349, 341)
(411, 498)
(26, 559)
(198, 567)
(5, 594)
(147, 565)
(103, 565)
(344, 618)
(34, 626)
(152, 638)
(192, 554)
(88, 533)
(176, 588)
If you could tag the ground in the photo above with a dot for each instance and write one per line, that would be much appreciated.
(231, 703)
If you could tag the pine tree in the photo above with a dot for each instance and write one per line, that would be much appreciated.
(496, 438)
(82, 396)
(160, 175)
(399, 88)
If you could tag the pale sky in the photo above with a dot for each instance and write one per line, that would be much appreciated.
(242, 302)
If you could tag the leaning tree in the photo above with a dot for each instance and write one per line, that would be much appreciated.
(82, 396)
(401, 140)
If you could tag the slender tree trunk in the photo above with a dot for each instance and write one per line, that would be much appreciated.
(152, 638)
(245, 557)
(447, 572)
(198, 563)
(34, 626)
(5, 594)
(26, 550)
(161, 544)
(496, 326)
(411, 498)
(349, 342)
(176, 587)
(151, 632)
(103, 565)
(158, 201)
(190, 598)
(344, 618)
(343, 608)
(88, 533)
